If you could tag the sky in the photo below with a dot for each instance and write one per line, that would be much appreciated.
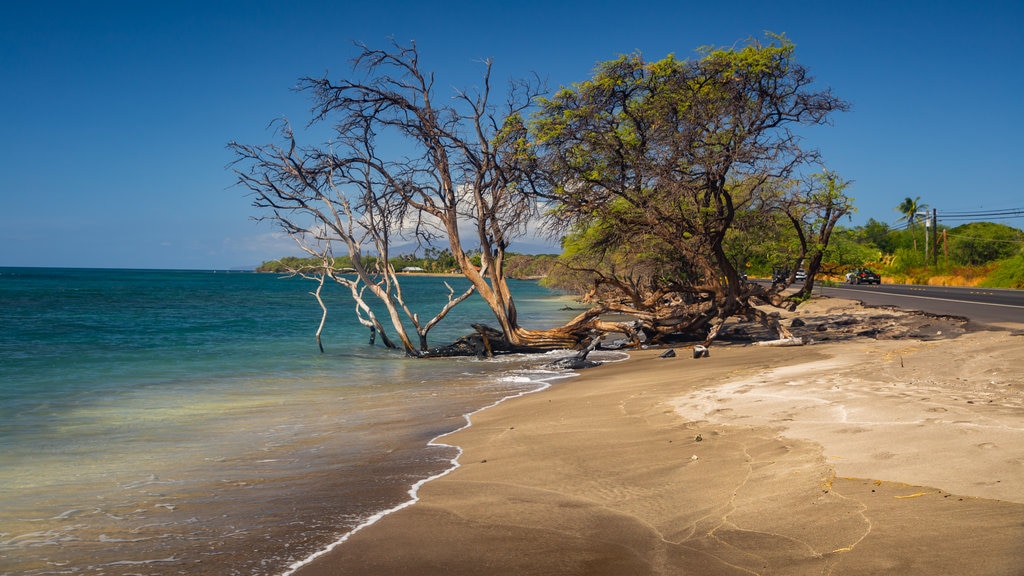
(116, 115)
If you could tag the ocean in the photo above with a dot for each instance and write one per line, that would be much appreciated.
(185, 422)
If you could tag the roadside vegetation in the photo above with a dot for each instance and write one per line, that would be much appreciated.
(983, 254)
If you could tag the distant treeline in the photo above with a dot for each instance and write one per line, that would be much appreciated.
(523, 266)
(977, 253)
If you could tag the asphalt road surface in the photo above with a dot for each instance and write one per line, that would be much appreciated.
(983, 306)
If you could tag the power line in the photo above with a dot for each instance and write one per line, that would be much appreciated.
(982, 214)
(962, 236)
(980, 218)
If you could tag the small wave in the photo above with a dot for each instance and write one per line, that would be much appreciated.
(142, 562)
(149, 481)
(516, 379)
(69, 513)
(542, 384)
(105, 538)
(37, 539)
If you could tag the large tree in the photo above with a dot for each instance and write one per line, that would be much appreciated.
(403, 162)
(660, 159)
(322, 200)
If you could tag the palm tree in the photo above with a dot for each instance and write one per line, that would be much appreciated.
(909, 209)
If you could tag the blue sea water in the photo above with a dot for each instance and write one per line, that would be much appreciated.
(185, 422)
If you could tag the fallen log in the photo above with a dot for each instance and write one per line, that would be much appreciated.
(794, 341)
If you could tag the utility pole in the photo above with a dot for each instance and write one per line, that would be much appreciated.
(926, 218)
(935, 237)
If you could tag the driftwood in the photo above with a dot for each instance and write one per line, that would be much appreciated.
(485, 343)
(782, 342)
(578, 360)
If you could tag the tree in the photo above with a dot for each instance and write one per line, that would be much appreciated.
(848, 249)
(403, 163)
(320, 199)
(652, 163)
(878, 234)
(909, 209)
(814, 215)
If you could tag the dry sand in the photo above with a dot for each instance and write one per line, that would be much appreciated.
(890, 448)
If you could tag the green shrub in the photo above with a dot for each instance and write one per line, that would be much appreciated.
(1008, 274)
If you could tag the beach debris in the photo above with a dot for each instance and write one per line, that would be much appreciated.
(797, 323)
(694, 458)
(574, 362)
(699, 438)
(914, 495)
(795, 341)
(700, 351)
(670, 353)
(617, 344)
(579, 360)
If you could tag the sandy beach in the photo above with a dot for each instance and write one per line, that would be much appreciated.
(892, 445)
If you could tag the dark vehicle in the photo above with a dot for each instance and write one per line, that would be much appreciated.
(863, 276)
(779, 276)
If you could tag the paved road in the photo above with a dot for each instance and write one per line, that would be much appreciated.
(981, 305)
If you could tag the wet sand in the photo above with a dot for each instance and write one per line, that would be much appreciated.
(857, 456)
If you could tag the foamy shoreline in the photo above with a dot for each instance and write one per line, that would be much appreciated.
(544, 383)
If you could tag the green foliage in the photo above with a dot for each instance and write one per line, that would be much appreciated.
(760, 243)
(670, 169)
(1008, 274)
(529, 266)
(973, 251)
(909, 208)
(289, 264)
(434, 261)
(907, 258)
(877, 235)
(982, 242)
(848, 249)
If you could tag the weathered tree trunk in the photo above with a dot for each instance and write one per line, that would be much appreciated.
(323, 307)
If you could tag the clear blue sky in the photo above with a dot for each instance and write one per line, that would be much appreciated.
(116, 114)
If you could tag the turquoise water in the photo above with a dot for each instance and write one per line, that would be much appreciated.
(176, 422)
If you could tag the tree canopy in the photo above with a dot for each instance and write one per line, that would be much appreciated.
(662, 176)
(654, 164)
